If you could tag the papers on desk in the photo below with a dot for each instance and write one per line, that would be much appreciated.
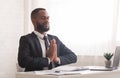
(63, 70)
(70, 68)
(51, 72)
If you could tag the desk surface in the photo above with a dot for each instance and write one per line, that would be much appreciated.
(84, 74)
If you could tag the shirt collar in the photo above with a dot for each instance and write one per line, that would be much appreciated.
(39, 34)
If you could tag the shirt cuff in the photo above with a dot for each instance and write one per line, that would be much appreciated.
(58, 62)
(48, 60)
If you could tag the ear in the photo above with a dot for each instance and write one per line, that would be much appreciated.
(34, 23)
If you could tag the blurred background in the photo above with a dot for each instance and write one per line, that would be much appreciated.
(88, 27)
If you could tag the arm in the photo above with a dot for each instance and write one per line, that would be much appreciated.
(28, 58)
(65, 54)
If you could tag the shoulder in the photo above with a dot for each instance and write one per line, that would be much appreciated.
(28, 36)
(53, 36)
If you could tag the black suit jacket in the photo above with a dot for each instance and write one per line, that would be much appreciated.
(30, 53)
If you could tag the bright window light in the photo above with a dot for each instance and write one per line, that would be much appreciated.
(85, 26)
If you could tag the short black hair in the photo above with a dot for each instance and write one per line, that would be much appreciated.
(35, 11)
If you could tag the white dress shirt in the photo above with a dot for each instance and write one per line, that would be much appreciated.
(42, 43)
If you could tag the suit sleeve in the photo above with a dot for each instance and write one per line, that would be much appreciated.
(65, 54)
(26, 59)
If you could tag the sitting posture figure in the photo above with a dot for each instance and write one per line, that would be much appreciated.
(39, 50)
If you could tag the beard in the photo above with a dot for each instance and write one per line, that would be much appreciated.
(42, 27)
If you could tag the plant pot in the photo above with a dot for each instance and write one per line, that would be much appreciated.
(108, 63)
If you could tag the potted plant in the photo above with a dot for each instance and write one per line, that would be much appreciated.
(108, 57)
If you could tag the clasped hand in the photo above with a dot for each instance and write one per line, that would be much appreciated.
(52, 51)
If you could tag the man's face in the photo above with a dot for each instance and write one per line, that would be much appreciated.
(42, 21)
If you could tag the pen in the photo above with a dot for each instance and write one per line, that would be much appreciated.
(57, 71)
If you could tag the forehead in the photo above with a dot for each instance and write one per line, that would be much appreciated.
(42, 13)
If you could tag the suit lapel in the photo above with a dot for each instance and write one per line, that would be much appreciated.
(37, 44)
(50, 37)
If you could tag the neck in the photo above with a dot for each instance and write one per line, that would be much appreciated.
(41, 32)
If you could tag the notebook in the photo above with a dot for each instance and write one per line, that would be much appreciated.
(114, 65)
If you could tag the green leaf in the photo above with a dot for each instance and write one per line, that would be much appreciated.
(108, 56)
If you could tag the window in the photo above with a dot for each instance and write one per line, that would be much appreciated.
(88, 27)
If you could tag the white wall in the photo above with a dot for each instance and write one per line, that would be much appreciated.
(11, 27)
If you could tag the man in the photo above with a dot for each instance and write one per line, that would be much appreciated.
(39, 50)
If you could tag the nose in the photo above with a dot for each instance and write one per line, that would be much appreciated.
(47, 19)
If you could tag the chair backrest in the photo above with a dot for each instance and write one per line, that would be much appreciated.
(19, 69)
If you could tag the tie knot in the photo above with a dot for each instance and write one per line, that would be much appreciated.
(45, 37)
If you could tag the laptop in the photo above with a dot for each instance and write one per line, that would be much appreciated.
(114, 65)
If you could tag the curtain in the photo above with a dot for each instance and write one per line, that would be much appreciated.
(118, 25)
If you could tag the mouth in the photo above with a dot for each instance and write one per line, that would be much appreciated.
(46, 25)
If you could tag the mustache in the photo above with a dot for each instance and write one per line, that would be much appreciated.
(45, 23)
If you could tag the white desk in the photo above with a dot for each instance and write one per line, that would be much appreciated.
(89, 74)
